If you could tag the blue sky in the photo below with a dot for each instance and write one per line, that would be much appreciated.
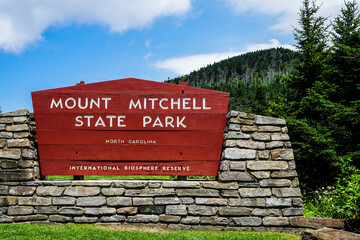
(47, 44)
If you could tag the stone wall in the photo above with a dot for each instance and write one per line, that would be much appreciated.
(257, 188)
(18, 158)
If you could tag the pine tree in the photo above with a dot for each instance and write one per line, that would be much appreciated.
(311, 40)
(346, 52)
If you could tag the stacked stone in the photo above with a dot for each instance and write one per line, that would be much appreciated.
(257, 155)
(18, 161)
(257, 187)
(197, 205)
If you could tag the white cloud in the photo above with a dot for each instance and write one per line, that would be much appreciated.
(285, 11)
(273, 44)
(185, 65)
(23, 21)
(148, 55)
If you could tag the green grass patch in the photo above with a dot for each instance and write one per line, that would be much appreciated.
(89, 232)
(94, 177)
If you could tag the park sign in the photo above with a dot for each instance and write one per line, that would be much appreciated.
(130, 127)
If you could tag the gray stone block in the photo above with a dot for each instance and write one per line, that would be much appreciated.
(197, 193)
(284, 174)
(10, 153)
(143, 219)
(12, 175)
(180, 184)
(149, 192)
(236, 176)
(234, 127)
(187, 200)
(229, 193)
(282, 154)
(152, 209)
(17, 128)
(263, 120)
(257, 136)
(45, 210)
(8, 164)
(84, 219)
(115, 218)
(202, 210)
(211, 201)
(127, 210)
(31, 218)
(246, 129)
(16, 113)
(267, 165)
(131, 184)
(237, 135)
(20, 210)
(255, 192)
(280, 137)
(50, 191)
(18, 143)
(239, 166)
(26, 164)
(167, 200)
(74, 211)
(176, 210)
(239, 154)
(64, 201)
(265, 154)
(100, 211)
(59, 218)
(169, 218)
(297, 202)
(20, 119)
(274, 144)
(143, 201)
(276, 221)
(234, 211)
(246, 221)
(266, 212)
(22, 191)
(275, 183)
(34, 201)
(119, 201)
(6, 219)
(261, 174)
(249, 144)
(7, 201)
(218, 185)
(286, 192)
(278, 202)
(247, 202)
(82, 191)
(112, 191)
(190, 220)
(91, 201)
(289, 212)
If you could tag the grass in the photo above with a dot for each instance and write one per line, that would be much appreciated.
(94, 177)
(89, 232)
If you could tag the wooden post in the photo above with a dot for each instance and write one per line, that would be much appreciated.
(181, 178)
(78, 177)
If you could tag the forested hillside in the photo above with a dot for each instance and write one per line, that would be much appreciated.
(266, 65)
(253, 79)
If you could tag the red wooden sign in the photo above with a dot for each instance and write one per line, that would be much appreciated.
(130, 127)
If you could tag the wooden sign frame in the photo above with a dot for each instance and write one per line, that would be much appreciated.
(130, 127)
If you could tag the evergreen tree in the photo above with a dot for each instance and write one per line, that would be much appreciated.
(311, 40)
(346, 77)
(346, 52)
